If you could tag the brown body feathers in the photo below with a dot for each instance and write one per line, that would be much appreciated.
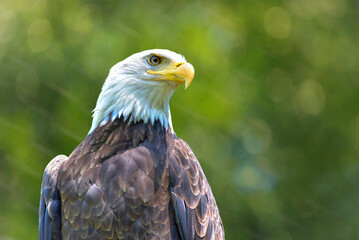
(128, 181)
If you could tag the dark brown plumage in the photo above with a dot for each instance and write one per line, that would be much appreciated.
(130, 181)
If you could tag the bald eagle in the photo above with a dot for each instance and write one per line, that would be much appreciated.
(132, 177)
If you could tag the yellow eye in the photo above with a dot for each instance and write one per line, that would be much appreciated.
(154, 60)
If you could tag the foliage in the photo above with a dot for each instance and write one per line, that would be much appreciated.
(272, 113)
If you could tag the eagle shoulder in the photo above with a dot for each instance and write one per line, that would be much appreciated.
(195, 208)
(50, 203)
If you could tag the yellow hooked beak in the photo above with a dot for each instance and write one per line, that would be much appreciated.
(180, 73)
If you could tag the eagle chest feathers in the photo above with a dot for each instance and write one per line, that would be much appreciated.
(117, 181)
(132, 177)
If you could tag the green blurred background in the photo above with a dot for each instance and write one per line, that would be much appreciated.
(272, 113)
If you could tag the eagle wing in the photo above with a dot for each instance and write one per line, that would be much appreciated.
(50, 204)
(194, 206)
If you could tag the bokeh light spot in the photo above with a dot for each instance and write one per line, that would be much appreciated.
(39, 35)
(256, 136)
(250, 178)
(311, 97)
(277, 23)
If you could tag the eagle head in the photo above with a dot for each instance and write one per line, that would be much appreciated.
(140, 87)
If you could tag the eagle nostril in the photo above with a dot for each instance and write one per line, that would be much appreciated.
(179, 64)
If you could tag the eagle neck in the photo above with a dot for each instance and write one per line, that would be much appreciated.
(134, 100)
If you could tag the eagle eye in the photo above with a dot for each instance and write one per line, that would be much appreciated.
(154, 60)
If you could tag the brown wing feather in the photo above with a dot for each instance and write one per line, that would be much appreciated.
(50, 205)
(195, 208)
